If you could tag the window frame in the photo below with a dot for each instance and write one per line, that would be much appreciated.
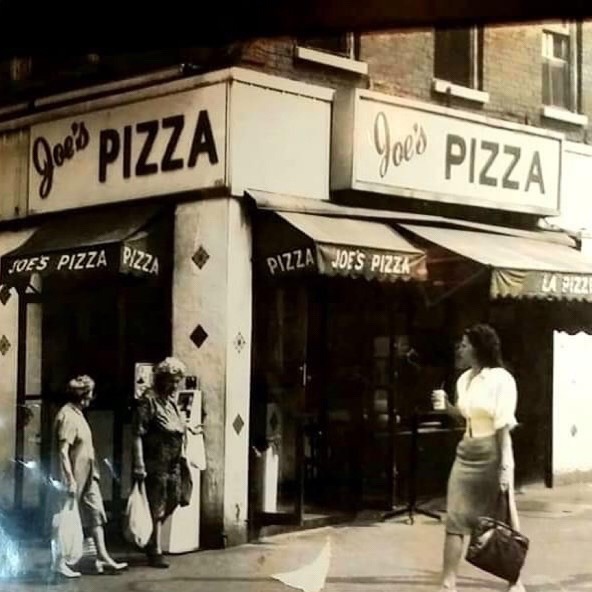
(350, 42)
(475, 57)
(475, 90)
(573, 112)
(347, 61)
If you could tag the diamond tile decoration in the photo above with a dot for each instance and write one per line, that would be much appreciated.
(239, 342)
(5, 294)
(238, 424)
(4, 345)
(200, 257)
(198, 336)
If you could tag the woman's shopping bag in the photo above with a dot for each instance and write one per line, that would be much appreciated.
(496, 547)
(138, 519)
(68, 536)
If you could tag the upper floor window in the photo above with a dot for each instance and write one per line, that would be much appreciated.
(560, 66)
(342, 45)
(458, 56)
(334, 51)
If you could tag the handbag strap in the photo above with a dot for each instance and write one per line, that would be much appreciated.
(503, 503)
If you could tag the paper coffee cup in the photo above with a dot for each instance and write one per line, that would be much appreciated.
(439, 399)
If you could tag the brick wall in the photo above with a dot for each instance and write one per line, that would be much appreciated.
(512, 72)
(276, 56)
(401, 62)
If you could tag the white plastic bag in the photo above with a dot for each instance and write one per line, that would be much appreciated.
(138, 523)
(195, 451)
(68, 537)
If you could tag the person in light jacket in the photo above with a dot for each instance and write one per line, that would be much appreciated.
(484, 463)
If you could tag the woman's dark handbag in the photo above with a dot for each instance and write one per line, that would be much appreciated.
(186, 483)
(497, 548)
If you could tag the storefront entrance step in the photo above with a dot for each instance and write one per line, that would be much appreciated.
(310, 521)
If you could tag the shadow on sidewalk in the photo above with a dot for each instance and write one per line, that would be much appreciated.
(423, 579)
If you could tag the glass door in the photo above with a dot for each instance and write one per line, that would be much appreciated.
(29, 467)
(284, 430)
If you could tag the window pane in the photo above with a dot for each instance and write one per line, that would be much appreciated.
(561, 47)
(556, 84)
(453, 56)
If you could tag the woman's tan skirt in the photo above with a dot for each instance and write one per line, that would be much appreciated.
(473, 484)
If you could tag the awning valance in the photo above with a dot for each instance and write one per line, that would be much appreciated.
(295, 243)
(118, 241)
(520, 267)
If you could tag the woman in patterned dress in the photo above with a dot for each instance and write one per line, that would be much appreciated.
(159, 432)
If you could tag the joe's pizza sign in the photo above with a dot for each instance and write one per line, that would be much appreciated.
(158, 146)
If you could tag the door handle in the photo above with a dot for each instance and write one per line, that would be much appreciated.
(304, 376)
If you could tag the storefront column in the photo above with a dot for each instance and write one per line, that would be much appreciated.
(211, 334)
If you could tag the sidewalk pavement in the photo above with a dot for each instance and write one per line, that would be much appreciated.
(367, 556)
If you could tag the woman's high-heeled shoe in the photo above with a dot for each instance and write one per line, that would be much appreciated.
(106, 567)
(63, 570)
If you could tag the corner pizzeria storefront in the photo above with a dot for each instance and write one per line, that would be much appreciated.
(135, 245)
(194, 219)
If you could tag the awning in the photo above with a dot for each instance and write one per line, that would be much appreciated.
(294, 243)
(102, 242)
(520, 267)
(275, 202)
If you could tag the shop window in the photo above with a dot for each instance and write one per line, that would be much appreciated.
(458, 56)
(560, 67)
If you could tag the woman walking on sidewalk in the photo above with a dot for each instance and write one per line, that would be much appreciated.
(159, 431)
(484, 463)
(77, 472)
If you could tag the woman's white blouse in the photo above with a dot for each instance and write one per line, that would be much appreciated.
(487, 401)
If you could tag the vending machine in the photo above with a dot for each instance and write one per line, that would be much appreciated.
(180, 531)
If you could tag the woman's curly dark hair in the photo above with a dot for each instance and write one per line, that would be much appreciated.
(486, 345)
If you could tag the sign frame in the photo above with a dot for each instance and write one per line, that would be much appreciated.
(346, 156)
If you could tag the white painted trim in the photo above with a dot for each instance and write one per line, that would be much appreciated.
(332, 60)
(13, 108)
(118, 85)
(167, 88)
(577, 148)
(294, 87)
(564, 115)
(457, 114)
(463, 92)
(557, 26)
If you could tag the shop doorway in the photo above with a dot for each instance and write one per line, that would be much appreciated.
(85, 327)
(327, 390)
(286, 430)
